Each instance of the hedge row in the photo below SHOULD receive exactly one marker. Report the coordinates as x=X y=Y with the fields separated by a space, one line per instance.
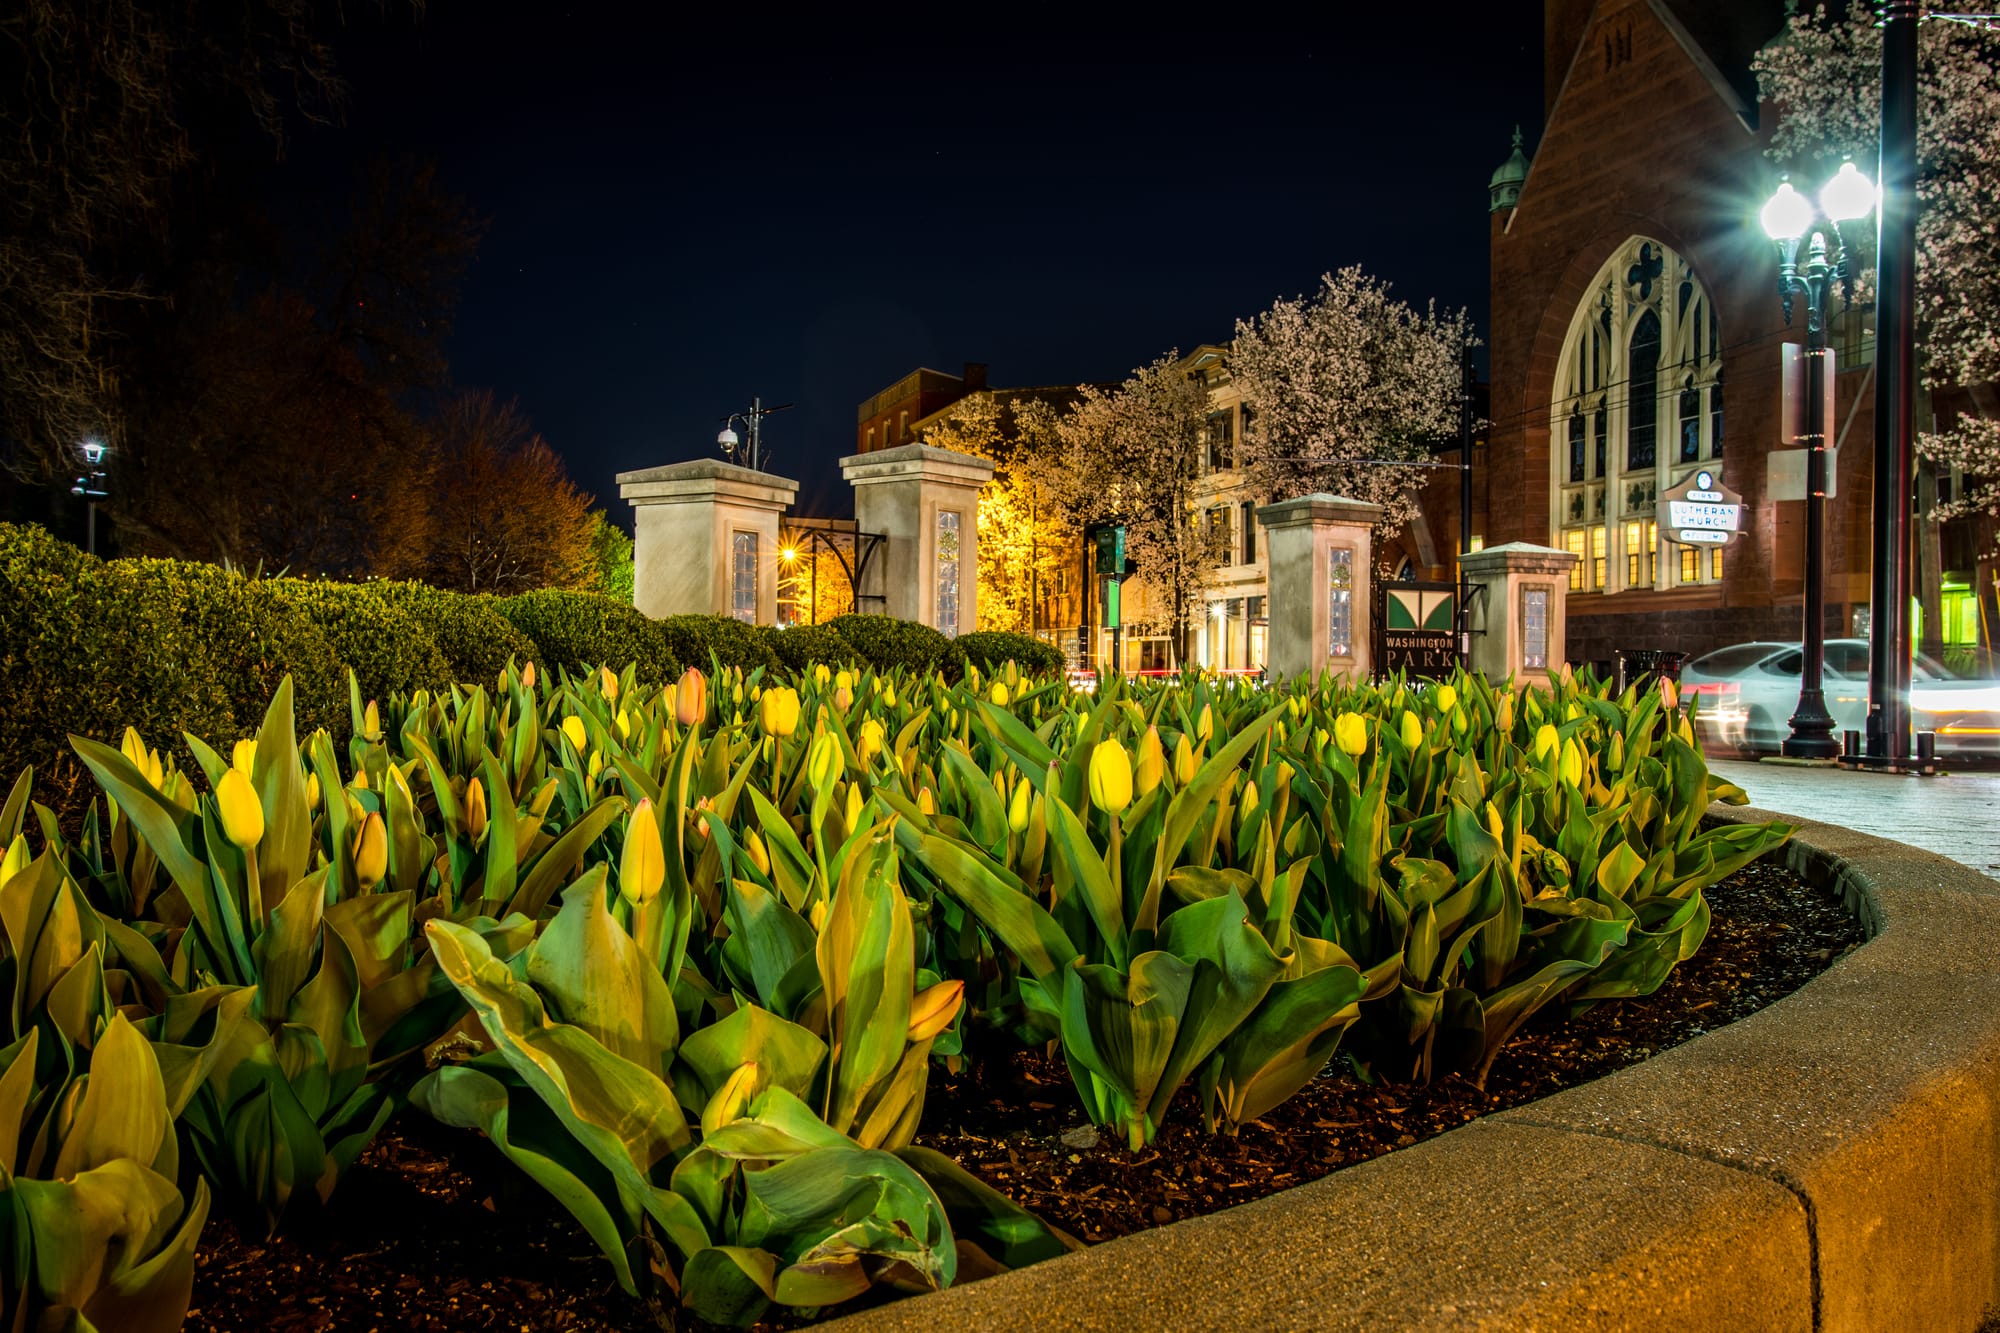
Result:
x=89 y=646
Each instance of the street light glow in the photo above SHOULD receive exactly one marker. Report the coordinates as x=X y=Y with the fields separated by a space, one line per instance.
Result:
x=1849 y=195
x=1787 y=215
x=789 y=554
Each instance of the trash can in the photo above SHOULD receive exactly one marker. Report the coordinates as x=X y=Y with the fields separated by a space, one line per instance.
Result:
x=1640 y=665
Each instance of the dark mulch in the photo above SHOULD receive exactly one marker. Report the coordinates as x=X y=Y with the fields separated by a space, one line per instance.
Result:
x=432 y=1230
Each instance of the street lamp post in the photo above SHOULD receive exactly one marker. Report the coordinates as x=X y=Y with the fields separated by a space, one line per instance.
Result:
x=91 y=487
x=1789 y=218
x=753 y=421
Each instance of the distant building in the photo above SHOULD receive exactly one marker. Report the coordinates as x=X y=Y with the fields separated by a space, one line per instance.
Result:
x=888 y=418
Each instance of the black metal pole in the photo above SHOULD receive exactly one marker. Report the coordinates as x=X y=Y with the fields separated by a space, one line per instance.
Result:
x=1464 y=508
x=90 y=525
x=1812 y=725
x=1895 y=383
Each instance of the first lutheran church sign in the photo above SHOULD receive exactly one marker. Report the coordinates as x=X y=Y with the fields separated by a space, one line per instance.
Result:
x=1701 y=511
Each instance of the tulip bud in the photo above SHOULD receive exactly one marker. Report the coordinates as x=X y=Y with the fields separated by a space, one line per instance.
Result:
x=1572 y=713
x=475 y=808
x=1350 y=732
x=844 y=680
x=853 y=815
x=999 y=694
x=819 y=673
x=1458 y=721
x=595 y=766
x=1546 y=741
x=1446 y=698
x=1670 y=693
x=371 y=723
x=371 y=851
x=736 y=693
x=236 y=802
x=642 y=866
x=1503 y=716
x=760 y=856
x=1204 y=726
x=16 y=859
x=1494 y=824
x=843 y=699
x=933 y=1008
x=1110 y=777
x=823 y=760
x=624 y=725
x=1152 y=765
x=1412 y=730
x=1184 y=768
x=528 y=676
x=607 y=683
x=889 y=696
x=817 y=915
x=778 y=712
x=1018 y=808
x=1617 y=751
x=572 y=727
x=870 y=741
x=312 y=791
x=731 y=1100
x=926 y=803
x=133 y=748
x=691 y=698
x=1572 y=762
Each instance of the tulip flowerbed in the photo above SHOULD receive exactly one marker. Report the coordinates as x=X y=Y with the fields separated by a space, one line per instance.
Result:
x=688 y=958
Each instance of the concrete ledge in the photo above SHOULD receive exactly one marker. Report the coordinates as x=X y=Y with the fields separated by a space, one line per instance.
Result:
x=1829 y=1162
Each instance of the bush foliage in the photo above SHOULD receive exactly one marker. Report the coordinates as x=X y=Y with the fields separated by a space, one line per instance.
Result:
x=991 y=648
x=888 y=644
x=575 y=629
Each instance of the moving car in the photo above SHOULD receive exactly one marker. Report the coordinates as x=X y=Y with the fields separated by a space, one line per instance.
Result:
x=1749 y=692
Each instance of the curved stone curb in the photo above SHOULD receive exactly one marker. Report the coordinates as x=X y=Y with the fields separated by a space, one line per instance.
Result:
x=1831 y=1161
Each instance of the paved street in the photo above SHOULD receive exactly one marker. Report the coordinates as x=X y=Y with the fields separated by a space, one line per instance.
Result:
x=1957 y=815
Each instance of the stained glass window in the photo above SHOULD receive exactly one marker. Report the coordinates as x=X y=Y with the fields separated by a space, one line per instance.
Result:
x=1690 y=422
x=1535 y=628
x=1715 y=416
x=1340 y=603
x=1576 y=445
x=1643 y=409
x=743 y=577
x=947 y=572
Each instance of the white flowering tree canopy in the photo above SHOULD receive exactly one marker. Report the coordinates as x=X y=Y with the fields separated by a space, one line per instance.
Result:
x=1349 y=389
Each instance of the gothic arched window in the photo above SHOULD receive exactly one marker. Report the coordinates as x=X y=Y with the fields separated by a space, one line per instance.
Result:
x=1638 y=403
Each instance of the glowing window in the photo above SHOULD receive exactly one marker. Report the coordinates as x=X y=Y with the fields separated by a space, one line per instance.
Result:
x=1340 y=603
x=947 y=572
x=743 y=577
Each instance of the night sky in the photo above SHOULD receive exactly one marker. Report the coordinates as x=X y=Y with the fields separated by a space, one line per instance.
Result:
x=685 y=212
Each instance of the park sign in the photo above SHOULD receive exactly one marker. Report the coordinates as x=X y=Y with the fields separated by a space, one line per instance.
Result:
x=1701 y=511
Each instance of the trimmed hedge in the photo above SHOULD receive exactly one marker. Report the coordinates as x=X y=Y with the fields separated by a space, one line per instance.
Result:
x=386 y=646
x=884 y=642
x=990 y=648
x=690 y=640
x=802 y=645
x=477 y=640
x=579 y=629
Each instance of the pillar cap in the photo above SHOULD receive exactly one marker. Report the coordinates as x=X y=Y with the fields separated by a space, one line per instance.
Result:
x=921 y=461
x=1523 y=557
x=1319 y=507
x=706 y=479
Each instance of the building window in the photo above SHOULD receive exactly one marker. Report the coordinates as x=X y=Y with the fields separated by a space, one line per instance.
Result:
x=1690 y=565
x=1340 y=603
x=1221 y=440
x=743 y=577
x=1250 y=533
x=1637 y=405
x=1641 y=540
x=1573 y=541
x=1715 y=565
x=1217 y=534
x=869 y=447
x=902 y=427
x=1535 y=628
x=947 y=573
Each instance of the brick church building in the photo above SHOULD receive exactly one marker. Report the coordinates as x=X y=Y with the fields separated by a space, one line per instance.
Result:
x=1637 y=337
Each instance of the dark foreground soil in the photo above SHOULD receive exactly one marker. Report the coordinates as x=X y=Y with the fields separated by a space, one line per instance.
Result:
x=433 y=1230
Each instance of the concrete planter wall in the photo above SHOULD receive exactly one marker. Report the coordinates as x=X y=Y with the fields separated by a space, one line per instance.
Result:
x=1827 y=1163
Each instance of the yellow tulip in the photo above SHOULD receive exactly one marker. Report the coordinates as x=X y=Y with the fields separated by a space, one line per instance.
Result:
x=1503 y=716
x=360 y=782
x=778 y=711
x=999 y=695
x=312 y=791
x=1572 y=762
x=1413 y=731
x=1546 y=741
x=572 y=727
x=1494 y=824
x=691 y=698
x=760 y=856
x=1152 y=766
x=242 y=756
x=475 y=808
x=844 y=680
x=926 y=803
x=822 y=760
x=1110 y=777
x=853 y=807
x=371 y=723
x=1017 y=809
x=1572 y=713
x=817 y=915
x=528 y=676
x=1617 y=751
x=1183 y=761
x=1350 y=732
x=371 y=851
x=731 y=1100
x=869 y=742
x=843 y=699
x=624 y=725
x=889 y=697
x=595 y=766
x=642 y=866
x=736 y=693
x=933 y=1008
x=1446 y=697
x=16 y=859
x=1670 y=693
x=236 y=802
x=133 y=748
x=1204 y=726
x=607 y=683
x=819 y=673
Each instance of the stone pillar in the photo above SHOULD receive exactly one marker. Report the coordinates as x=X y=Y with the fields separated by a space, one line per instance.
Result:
x=1520 y=598
x=925 y=502
x=1320 y=550
x=695 y=525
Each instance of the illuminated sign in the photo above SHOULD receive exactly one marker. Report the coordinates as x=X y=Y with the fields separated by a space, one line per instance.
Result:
x=1701 y=511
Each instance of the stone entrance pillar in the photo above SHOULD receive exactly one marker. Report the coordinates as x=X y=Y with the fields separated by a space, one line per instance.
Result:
x=705 y=539
x=925 y=502
x=1520 y=598
x=1320 y=549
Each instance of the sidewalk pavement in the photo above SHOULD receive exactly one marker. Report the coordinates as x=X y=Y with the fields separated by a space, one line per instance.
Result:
x=1956 y=815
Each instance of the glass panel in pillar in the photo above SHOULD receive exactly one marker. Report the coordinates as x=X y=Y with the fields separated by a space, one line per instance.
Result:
x=1535 y=628
x=947 y=572
x=1340 y=603
x=743 y=577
